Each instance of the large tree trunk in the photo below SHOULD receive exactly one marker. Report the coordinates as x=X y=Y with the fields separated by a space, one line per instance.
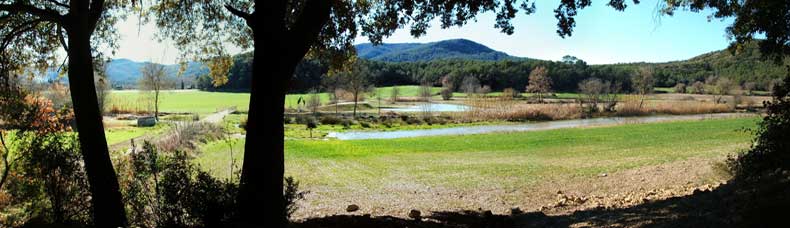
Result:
x=261 y=201
x=108 y=210
x=263 y=169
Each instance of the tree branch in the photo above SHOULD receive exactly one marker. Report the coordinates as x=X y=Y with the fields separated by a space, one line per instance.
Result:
x=44 y=14
x=17 y=31
x=247 y=16
x=96 y=10
x=304 y=33
x=57 y=3
x=62 y=38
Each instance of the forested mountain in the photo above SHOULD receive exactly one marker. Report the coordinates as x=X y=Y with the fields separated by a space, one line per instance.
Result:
x=413 y=52
x=457 y=59
x=126 y=73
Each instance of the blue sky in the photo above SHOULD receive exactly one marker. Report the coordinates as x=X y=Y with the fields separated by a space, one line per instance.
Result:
x=602 y=35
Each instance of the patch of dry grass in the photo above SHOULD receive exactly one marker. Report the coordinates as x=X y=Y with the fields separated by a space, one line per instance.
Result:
x=484 y=109
x=632 y=108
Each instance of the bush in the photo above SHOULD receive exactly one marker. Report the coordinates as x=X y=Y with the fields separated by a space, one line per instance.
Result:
x=347 y=123
x=331 y=120
x=292 y=194
x=414 y=121
x=364 y=124
x=168 y=191
x=680 y=88
x=189 y=135
x=302 y=119
x=49 y=182
x=509 y=93
x=770 y=149
x=288 y=120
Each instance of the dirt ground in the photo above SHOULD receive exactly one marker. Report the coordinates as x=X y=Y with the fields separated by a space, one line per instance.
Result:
x=553 y=197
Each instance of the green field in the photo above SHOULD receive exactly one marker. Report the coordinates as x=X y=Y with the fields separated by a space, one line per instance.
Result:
x=121 y=134
x=202 y=102
x=182 y=101
x=501 y=159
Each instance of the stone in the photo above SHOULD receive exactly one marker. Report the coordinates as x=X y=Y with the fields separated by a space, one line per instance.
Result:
x=352 y=208
x=415 y=214
x=148 y=121
x=603 y=175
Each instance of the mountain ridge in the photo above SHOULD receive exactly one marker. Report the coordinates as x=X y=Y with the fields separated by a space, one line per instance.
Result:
x=439 y=50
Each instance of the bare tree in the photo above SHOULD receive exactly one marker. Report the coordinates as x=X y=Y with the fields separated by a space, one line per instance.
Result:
x=425 y=92
x=470 y=85
x=721 y=88
x=539 y=82
x=592 y=90
x=154 y=80
x=698 y=87
x=394 y=94
x=356 y=82
x=642 y=82
x=749 y=87
x=313 y=101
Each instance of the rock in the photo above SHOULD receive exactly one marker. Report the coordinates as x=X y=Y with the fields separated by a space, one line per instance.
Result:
x=352 y=208
x=149 y=121
x=415 y=214
x=603 y=175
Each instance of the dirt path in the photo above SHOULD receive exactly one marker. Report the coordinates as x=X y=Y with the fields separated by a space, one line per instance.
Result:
x=216 y=117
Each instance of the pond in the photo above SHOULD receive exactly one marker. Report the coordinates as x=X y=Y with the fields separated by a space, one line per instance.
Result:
x=433 y=107
x=533 y=126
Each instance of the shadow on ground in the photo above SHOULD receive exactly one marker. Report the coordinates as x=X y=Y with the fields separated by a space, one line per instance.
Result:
x=729 y=205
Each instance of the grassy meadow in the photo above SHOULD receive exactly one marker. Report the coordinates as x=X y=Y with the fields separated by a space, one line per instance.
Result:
x=501 y=159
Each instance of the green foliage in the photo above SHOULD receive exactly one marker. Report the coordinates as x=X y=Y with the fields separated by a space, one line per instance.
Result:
x=49 y=180
x=168 y=191
x=770 y=149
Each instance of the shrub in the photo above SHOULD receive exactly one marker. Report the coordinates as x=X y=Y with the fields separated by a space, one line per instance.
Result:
x=243 y=124
x=331 y=120
x=509 y=93
x=288 y=120
x=49 y=182
x=698 y=87
x=292 y=194
x=347 y=123
x=302 y=119
x=168 y=191
x=364 y=124
x=414 y=121
x=187 y=136
x=680 y=88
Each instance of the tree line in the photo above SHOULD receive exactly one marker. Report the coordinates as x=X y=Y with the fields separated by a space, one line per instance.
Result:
x=746 y=68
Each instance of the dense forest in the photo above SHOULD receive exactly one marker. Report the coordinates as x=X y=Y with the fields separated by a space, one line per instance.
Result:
x=745 y=66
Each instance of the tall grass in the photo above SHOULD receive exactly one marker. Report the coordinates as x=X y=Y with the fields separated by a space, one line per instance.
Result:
x=486 y=108
x=631 y=108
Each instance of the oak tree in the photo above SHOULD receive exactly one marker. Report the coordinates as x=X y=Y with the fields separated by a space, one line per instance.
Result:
x=32 y=31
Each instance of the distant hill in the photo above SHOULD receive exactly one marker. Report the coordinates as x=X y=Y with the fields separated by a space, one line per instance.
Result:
x=126 y=72
x=414 y=52
x=744 y=66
